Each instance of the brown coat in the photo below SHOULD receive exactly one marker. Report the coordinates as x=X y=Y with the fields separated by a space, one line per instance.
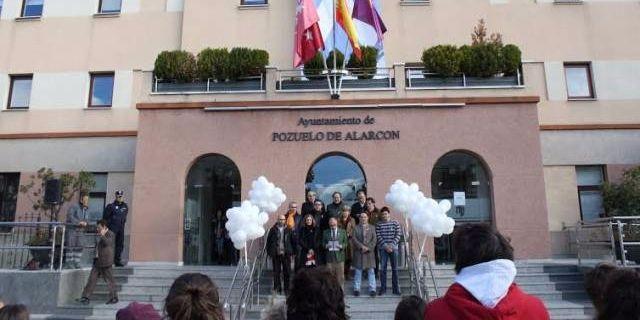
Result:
x=360 y=240
x=105 y=250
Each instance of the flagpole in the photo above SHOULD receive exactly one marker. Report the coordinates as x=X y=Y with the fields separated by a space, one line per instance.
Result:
x=334 y=93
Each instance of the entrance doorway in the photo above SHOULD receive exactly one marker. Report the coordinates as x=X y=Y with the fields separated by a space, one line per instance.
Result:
x=212 y=187
x=336 y=172
x=462 y=178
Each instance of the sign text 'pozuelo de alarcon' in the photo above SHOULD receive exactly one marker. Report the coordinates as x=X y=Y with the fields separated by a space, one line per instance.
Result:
x=352 y=135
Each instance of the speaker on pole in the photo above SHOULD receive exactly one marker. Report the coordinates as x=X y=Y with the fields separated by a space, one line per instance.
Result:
x=53 y=191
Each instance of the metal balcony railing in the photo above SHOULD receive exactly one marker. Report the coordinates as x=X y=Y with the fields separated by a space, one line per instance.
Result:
x=350 y=79
x=420 y=78
x=246 y=84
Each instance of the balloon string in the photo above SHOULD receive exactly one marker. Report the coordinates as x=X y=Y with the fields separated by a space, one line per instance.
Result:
x=246 y=259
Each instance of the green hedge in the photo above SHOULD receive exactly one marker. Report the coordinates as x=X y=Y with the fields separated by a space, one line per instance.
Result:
x=339 y=59
x=218 y=63
x=213 y=63
x=314 y=66
x=442 y=59
x=180 y=66
x=479 y=60
x=368 y=63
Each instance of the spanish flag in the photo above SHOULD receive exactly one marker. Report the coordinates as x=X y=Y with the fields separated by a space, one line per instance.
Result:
x=343 y=17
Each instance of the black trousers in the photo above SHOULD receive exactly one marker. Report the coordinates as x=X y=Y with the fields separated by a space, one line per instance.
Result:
x=281 y=270
x=119 y=245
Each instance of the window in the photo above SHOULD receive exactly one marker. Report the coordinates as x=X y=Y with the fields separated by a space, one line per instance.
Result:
x=9 y=183
x=109 y=6
x=101 y=91
x=590 y=179
x=579 y=81
x=19 y=92
x=98 y=197
x=336 y=172
x=252 y=2
x=1 y=3
x=32 y=8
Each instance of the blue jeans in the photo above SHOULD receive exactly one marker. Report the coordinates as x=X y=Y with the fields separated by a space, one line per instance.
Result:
x=357 y=279
x=392 y=257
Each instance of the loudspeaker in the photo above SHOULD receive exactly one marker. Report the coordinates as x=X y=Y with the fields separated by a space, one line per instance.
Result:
x=53 y=191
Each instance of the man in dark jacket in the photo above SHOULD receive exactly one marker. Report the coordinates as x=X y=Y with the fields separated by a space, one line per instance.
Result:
x=280 y=249
x=102 y=265
x=76 y=221
x=116 y=216
x=359 y=206
x=307 y=206
x=334 y=209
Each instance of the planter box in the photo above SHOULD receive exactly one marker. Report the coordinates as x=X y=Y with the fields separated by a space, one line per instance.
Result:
x=492 y=81
x=435 y=81
x=201 y=86
x=322 y=84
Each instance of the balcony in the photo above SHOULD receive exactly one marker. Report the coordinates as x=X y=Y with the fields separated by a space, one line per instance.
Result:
x=397 y=81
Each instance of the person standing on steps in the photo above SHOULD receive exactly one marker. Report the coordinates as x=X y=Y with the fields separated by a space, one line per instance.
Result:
x=364 y=243
x=307 y=206
x=334 y=241
x=280 y=249
x=116 y=216
x=359 y=206
x=76 y=221
x=102 y=265
x=388 y=234
x=334 y=209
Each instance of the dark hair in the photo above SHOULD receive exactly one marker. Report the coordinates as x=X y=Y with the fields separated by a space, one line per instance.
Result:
x=193 y=296
x=371 y=199
x=478 y=243
x=102 y=222
x=595 y=281
x=410 y=308
x=385 y=209
x=304 y=220
x=83 y=194
x=363 y=191
x=622 y=293
x=316 y=295
x=14 y=312
x=334 y=194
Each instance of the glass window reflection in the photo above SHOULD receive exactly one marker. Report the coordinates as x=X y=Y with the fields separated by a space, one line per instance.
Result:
x=32 y=8
x=101 y=90
x=110 y=6
x=336 y=173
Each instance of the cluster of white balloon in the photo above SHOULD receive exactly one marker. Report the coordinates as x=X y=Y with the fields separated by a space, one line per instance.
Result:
x=246 y=222
x=426 y=215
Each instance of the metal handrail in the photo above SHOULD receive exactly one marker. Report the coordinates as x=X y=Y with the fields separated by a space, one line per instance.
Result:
x=250 y=280
x=227 y=305
x=54 y=227
x=419 y=72
x=615 y=235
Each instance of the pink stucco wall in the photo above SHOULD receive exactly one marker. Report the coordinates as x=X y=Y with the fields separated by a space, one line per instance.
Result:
x=504 y=136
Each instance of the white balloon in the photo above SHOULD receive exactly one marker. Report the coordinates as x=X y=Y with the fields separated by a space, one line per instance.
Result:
x=265 y=195
x=244 y=223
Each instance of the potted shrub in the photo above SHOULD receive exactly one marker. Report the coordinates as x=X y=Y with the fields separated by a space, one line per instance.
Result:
x=511 y=59
x=176 y=66
x=259 y=61
x=314 y=66
x=339 y=59
x=623 y=199
x=213 y=63
x=368 y=63
x=442 y=66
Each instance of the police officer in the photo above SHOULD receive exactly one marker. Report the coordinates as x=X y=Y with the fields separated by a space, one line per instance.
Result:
x=116 y=216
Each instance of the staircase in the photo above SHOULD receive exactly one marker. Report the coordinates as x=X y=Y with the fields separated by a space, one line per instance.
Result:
x=145 y=284
x=559 y=286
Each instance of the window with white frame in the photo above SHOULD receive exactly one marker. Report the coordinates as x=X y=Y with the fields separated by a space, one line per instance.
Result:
x=590 y=179
x=19 y=91
x=32 y=8
x=579 y=80
x=109 y=6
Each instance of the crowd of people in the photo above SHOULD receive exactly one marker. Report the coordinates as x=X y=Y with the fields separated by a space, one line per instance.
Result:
x=318 y=241
x=341 y=237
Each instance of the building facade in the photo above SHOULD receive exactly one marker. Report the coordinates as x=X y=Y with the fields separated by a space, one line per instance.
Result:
x=77 y=92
